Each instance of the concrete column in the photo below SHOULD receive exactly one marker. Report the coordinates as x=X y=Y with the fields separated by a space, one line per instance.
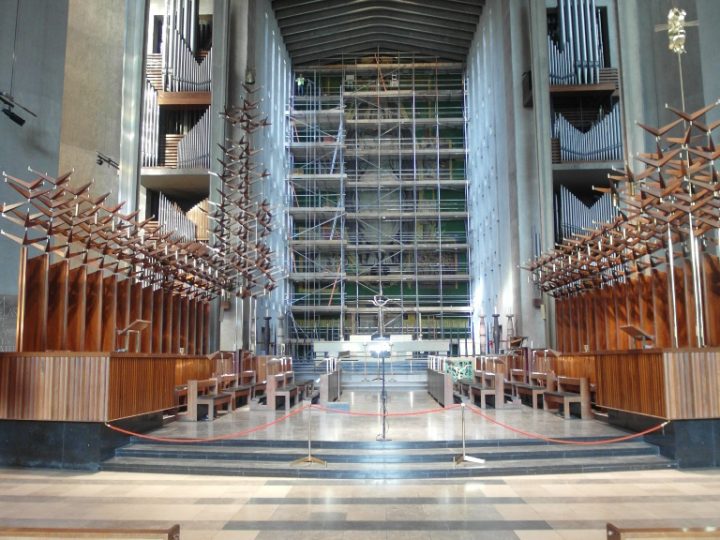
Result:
x=541 y=106
x=132 y=100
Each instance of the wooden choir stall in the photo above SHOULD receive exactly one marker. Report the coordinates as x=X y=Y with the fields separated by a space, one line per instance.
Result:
x=637 y=299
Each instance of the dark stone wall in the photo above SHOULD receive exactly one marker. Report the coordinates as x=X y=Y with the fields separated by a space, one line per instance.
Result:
x=693 y=443
x=65 y=445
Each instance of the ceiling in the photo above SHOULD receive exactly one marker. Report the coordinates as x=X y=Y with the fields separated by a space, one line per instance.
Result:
x=317 y=30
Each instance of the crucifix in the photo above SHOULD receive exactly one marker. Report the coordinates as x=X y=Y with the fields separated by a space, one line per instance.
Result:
x=676 y=25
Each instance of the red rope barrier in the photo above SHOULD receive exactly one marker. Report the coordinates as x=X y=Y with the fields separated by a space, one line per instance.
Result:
x=208 y=439
x=531 y=435
x=395 y=414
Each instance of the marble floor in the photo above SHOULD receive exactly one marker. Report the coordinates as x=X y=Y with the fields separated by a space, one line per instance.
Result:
x=439 y=424
x=209 y=507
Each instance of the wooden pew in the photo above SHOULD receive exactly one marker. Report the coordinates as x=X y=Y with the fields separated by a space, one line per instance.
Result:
x=626 y=533
x=489 y=383
x=230 y=384
x=172 y=533
x=570 y=390
x=537 y=387
x=205 y=392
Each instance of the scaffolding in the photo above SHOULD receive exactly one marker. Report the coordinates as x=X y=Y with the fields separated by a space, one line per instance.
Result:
x=377 y=152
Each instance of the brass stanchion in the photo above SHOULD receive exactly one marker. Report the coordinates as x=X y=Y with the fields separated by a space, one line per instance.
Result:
x=310 y=459
x=464 y=458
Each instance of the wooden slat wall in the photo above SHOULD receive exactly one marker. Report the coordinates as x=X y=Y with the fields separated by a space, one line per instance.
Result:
x=76 y=309
x=63 y=387
x=192 y=321
x=594 y=318
x=109 y=314
x=93 y=306
x=631 y=381
x=192 y=367
x=692 y=383
x=147 y=296
x=661 y=305
x=157 y=319
x=122 y=318
x=711 y=268
x=34 y=299
x=137 y=311
x=57 y=306
x=69 y=309
x=140 y=384
x=576 y=365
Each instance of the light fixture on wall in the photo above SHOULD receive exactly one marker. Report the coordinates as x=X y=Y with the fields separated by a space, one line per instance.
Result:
x=102 y=158
x=7 y=97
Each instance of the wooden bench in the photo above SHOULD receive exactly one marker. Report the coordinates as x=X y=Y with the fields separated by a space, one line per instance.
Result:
x=488 y=383
x=230 y=384
x=277 y=386
x=533 y=389
x=569 y=390
x=623 y=533
x=205 y=392
x=172 y=533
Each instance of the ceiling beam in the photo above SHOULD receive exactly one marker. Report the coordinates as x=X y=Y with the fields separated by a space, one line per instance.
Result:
x=322 y=28
x=371 y=47
x=374 y=37
x=391 y=31
x=337 y=8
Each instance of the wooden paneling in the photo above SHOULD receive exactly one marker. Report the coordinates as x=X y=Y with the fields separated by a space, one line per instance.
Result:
x=192 y=367
x=682 y=306
x=199 y=325
x=647 y=315
x=192 y=322
x=168 y=317
x=148 y=296
x=575 y=365
x=76 y=309
x=711 y=267
x=157 y=319
x=599 y=320
x=34 y=299
x=692 y=383
x=63 y=387
x=206 y=328
x=122 y=318
x=177 y=318
x=661 y=309
x=57 y=306
x=183 y=333
x=633 y=307
x=631 y=381
x=140 y=384
x=93 y=311
x=109 y=313
x=137 y=311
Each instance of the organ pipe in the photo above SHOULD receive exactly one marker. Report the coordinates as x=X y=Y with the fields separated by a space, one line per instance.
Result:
x=578 y=57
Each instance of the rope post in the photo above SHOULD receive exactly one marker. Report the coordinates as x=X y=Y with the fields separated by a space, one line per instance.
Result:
x=309 y=459
x=464 y=458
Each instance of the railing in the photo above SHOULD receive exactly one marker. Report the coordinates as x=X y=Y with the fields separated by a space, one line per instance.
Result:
x=387 y=145
x=388 y=204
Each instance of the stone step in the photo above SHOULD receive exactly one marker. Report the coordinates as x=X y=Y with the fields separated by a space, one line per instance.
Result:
x=445 y=469
x=376 y=455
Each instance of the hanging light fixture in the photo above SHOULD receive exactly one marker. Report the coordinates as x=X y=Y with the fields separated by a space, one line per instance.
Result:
x=7 y=98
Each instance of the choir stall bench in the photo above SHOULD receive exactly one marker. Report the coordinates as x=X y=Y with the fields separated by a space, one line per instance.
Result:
x=207 y=393
x=570 y=390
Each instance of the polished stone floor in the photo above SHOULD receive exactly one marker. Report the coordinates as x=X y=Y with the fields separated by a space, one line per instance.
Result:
x=438 y=424
x=223 y=508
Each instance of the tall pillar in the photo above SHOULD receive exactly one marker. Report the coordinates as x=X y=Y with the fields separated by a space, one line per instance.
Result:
x=136 y=12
